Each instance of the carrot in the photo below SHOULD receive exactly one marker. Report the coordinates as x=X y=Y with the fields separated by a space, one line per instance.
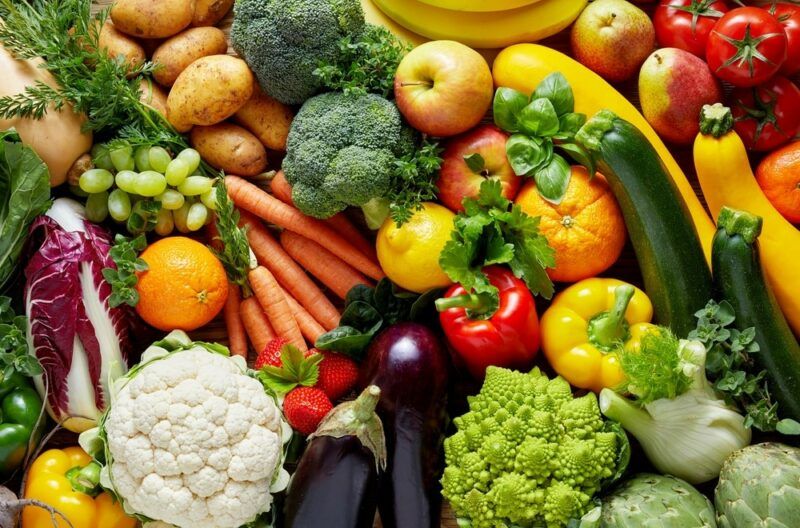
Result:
x=264 y=205
x=339 y=222
x=321 y=263
x=309 y=326
x=272 y=300
x=271 y=254
x=233 y=321
x=256 y=323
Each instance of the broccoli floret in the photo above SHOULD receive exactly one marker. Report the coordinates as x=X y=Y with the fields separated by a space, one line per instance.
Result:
x=284 y=41
x=342 y=151
x=527 y=453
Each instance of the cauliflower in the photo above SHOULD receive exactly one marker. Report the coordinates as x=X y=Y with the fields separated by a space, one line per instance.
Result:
x=190 y=439
x=529 y=454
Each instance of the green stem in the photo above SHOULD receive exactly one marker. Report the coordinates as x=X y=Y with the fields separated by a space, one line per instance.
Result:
x=85 y=479
x=633 y=418
x=367 y=401
x=608 y=328
x=742 y=223
x=476 y=303
x=715 y=120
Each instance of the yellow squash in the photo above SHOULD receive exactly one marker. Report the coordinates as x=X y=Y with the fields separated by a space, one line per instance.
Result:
x=493 y=29
x=726 y=178
x=479 y=5
x=523 y=67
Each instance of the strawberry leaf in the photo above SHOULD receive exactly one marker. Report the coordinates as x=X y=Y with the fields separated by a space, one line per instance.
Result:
x=296 y=369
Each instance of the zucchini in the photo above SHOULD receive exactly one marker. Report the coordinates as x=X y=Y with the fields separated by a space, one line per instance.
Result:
x=739 y=279
x=676 y=276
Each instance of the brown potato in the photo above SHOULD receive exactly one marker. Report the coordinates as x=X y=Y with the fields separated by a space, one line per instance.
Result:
x=152 y=18
x=175 y=54
x=209 y=12
x=118 y=43
x=209 y=90
x=230 y=148
x=153 y=95
x=267 y=118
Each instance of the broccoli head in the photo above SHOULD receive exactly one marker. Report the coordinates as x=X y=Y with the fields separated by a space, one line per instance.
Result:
x=527 y=453
x=284 y=41
x=342 y=150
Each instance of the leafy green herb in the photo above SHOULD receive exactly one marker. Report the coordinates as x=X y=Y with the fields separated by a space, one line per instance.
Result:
x=295 y=369
x=366 y=64
x=123 y=278
x=731 y=367
x=235 y=253
x=655 y=371
x=415 y=180
x=492 y=230
x=540 y=124
x=14 y=356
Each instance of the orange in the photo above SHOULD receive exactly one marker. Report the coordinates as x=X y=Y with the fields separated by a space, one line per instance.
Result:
x=184 y=287
x=779 y=177
x=586 y=229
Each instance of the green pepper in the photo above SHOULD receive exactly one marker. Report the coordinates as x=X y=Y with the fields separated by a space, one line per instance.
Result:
x=20 y=407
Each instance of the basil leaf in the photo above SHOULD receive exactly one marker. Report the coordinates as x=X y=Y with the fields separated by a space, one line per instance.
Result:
x=552 y=180
x=507 y=105
x=475 y=162
x=580 y=155
x=539 y=118
x=570 y=123
x=524 y=154
x=557 y=90
x=788 y=426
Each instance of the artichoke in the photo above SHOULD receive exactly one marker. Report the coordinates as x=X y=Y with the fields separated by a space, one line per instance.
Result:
x=760 y=486
x=654 y=501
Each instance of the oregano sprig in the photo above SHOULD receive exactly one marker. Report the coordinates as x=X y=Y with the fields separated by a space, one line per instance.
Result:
x=123 y=278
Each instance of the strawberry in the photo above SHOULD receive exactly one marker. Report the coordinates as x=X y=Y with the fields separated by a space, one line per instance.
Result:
x=271 y=355
x=337 y=374
x=305 y=407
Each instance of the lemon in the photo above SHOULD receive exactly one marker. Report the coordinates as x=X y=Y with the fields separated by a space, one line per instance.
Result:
x=409 y=254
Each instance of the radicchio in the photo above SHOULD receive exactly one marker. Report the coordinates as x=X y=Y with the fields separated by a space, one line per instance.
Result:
x=79 y=339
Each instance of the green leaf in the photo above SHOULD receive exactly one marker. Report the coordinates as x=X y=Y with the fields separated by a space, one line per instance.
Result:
x=539 y=118
x=557 y=90
x=506 y=107
x=788 y=426
x=475 y=162
x=552 y=181
x=295 y=369
x=123 y=278
x=582 y=156
x=525 y=154
x=570 y=123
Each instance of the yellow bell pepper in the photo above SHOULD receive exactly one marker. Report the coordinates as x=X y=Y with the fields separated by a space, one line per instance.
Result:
x=583 y=327
x=49 y=482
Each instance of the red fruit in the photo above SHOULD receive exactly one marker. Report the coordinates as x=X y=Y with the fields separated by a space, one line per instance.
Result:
x=789 y=16
x=337 y=375
x=271 y=355
x=768 y=115
x=305 y=407
x=686 y=24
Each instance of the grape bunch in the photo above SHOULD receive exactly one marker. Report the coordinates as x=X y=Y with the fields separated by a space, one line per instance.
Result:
x=147 y=189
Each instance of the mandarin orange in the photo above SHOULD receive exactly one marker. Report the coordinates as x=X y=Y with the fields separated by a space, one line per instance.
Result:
x=778 y=174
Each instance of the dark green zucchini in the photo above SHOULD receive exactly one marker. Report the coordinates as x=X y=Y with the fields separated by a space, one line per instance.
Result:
x=675 y=272
x=739 y=279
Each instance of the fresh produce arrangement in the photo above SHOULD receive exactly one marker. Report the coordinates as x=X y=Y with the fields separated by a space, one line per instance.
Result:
x=399 y=263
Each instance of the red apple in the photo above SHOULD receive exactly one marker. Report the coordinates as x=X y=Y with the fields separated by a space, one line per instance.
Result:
x=443 y=88
x=468 y=160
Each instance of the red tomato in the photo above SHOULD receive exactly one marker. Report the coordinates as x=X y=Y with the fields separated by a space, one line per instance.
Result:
x=685 y=24
x=789 y=16
x=746 y=47
x=768 y=115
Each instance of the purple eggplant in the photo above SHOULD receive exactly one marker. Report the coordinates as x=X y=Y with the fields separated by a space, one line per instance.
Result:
x=336 y=481
x=409 y=364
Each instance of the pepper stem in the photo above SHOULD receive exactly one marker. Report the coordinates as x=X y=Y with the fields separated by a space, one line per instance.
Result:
x=85 y=479
x=475 y=302
x=610 y=327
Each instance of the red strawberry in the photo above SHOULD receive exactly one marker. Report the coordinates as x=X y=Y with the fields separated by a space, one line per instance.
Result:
x=337 y=374
x=271 y=355
x=305 y=407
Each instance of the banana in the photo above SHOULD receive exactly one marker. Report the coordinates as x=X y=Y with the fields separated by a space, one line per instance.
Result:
x=479 y=5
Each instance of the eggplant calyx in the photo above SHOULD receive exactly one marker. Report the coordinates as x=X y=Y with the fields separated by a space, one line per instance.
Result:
x=358 y=418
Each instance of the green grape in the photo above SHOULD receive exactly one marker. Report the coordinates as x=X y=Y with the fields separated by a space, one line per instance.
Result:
x=176 y=172
x=195 y=185
x=119 y=205
x=196 y=217
x=150 y=183
x=171 y=199
x=101 y=158
x=191 y=157
x=97 y=207
x=126 y=180
x=164 y=223
x=122 y=158
x=179 y=216
x=209 y=199
x=159 y=159
x=77 y=191
x=142 y=158
x=96 y=180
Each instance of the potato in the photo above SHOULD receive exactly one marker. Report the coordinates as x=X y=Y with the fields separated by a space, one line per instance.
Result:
x=153 y=95
x=175 y=54
x=267 y=118
x=209 y=12
x=152 y=18
x=209 y=90
x=230 y=148
x=117 y=43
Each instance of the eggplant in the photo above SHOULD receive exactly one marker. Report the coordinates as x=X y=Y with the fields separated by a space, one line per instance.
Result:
x=335 y=484
x=410 y=365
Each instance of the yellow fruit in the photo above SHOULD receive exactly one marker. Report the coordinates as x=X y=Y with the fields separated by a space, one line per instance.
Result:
x=409 y=254
x=375 y=16
x=493 y=29
x=479 y=5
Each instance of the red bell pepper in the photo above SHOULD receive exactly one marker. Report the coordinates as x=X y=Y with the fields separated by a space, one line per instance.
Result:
x=507 y=338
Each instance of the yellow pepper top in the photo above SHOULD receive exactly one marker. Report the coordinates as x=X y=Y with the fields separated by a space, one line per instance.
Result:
x=48 y=482
x=586 y=323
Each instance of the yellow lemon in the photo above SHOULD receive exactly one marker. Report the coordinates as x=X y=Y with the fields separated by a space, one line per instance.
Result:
x=409 y=254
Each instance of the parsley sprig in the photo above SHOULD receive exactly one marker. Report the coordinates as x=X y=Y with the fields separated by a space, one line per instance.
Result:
x=415 y=180
x=123 y=278
x=14 y=356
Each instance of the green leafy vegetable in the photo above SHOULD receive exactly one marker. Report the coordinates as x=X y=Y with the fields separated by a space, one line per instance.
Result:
x=235 y=253
x=24 y=195
x=655 y=371
x=123 y=279
x=414 y=180
x=14 y=356
x=492 y=230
